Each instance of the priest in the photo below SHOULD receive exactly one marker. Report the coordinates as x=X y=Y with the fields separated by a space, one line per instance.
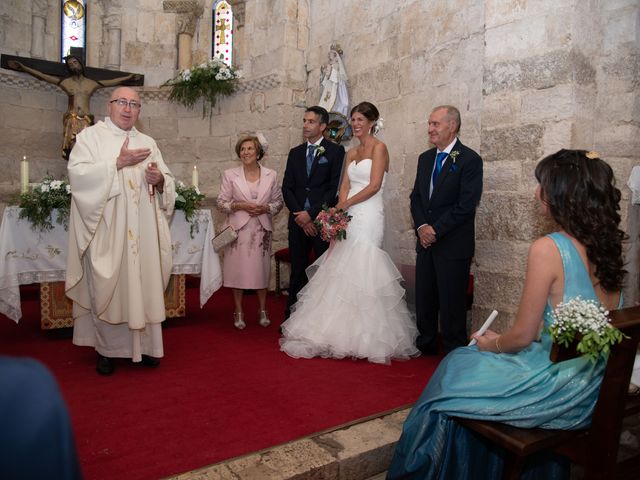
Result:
x=119 y=257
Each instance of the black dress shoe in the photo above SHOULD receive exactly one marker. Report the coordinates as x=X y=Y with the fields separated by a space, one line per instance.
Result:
x=104 y=365
x=148 y=361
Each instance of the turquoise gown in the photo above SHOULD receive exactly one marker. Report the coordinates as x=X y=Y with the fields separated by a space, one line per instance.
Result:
x=523 y=389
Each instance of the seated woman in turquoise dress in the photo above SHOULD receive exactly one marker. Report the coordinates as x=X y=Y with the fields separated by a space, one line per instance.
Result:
x=509 y=377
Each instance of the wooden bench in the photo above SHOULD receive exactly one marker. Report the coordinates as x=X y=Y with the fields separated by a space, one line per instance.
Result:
x=595 y=448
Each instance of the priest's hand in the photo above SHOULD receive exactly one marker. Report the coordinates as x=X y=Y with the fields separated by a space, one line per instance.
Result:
x=128 y=158
x=154 y=177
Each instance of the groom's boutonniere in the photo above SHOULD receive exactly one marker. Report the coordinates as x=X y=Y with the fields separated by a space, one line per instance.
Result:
x=320 y=151
x=453 y=156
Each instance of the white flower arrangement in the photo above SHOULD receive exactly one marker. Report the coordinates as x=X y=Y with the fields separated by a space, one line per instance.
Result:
x=38 y=205
x=209 y=80
x=320 y=151
x=189 y=199
x=587 y=323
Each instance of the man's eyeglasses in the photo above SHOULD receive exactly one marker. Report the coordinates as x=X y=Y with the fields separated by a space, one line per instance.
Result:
x=123 y=102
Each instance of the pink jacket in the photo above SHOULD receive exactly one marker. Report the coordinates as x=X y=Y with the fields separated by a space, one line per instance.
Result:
x=234 y=188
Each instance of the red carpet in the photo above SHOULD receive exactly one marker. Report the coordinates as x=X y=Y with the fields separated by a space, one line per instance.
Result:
x=218 y=393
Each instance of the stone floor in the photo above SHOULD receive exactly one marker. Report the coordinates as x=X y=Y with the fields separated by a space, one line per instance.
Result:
x=357 y=451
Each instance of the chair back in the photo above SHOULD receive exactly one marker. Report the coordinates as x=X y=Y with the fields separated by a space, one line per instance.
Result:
x=606 y=422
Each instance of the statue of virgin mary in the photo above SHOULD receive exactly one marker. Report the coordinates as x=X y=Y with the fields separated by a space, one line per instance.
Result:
x=333 y=83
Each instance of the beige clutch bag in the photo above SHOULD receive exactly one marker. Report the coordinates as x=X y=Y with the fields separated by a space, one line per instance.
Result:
x=224 y=238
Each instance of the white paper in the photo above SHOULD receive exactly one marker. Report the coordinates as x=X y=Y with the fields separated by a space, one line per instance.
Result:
x=487 y=323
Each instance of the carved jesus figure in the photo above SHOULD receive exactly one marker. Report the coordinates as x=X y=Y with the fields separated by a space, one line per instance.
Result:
x=79 y=88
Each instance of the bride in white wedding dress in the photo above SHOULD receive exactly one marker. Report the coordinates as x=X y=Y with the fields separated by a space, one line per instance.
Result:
x=353 y=305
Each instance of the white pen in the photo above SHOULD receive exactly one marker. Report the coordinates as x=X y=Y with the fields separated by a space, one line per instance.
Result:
x=487 y=323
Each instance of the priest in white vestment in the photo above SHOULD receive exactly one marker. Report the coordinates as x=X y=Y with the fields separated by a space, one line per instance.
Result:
x=119 y=256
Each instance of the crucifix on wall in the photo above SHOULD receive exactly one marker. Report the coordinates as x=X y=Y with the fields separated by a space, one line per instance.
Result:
x=78 y=82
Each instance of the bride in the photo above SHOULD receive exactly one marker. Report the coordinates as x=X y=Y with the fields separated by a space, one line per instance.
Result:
x=353 y=305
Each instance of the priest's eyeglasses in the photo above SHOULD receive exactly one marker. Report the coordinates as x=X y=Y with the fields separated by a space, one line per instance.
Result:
x=123 y=102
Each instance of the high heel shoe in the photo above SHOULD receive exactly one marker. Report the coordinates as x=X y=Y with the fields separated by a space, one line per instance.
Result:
x=264 y=318
x=238 y=320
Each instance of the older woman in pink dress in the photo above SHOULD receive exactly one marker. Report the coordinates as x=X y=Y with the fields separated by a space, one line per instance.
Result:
x=250 y=196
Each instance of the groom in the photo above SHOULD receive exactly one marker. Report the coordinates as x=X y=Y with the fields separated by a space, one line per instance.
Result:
x=443 y=206
x=310 y=181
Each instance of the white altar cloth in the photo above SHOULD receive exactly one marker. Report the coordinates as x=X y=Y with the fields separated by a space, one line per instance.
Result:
x=32 y=256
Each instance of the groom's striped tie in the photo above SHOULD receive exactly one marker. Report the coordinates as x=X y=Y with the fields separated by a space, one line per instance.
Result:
x=310 y=151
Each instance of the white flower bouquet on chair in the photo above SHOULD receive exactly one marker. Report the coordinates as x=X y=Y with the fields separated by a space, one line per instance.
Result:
x=582 y=325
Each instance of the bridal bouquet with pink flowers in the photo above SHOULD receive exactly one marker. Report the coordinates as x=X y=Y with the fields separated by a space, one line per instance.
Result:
x=332 y=223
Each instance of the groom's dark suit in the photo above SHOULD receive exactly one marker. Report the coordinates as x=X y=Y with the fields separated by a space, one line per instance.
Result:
x=442 y=269
x=319 y=187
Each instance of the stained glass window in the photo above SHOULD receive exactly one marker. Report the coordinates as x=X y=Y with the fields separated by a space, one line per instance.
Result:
x=222 y=31
x=74 y=25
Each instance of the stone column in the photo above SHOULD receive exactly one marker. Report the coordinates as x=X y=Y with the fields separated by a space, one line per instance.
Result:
x=189 y=11
x=113 y=26
x=38 y=26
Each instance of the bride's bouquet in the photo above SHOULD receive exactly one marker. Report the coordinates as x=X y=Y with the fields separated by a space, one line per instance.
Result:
x=332 y=223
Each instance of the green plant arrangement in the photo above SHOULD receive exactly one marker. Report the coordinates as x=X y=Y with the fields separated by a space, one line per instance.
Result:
x=38 y=204
x=188 y=199
x=208 y=81
x=585 y=323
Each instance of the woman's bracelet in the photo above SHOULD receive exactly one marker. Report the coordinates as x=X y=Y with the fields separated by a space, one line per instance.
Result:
x=498 y=344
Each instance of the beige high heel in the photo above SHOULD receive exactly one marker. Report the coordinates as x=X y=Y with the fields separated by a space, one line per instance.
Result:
x=238 y=320
x=264 y=318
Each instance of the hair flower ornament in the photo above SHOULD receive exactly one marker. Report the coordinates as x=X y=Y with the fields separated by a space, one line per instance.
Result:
x=379 y=125
x=263 y=141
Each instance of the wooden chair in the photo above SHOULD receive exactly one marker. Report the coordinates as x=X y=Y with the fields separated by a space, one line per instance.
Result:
x=595 y=448
x=282 y=256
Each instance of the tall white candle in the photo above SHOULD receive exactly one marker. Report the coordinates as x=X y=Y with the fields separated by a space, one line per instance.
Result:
x=24 y=175
x=194 y=176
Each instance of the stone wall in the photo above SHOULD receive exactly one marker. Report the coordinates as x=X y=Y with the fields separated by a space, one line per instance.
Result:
x=528 y=76
x=555 y=74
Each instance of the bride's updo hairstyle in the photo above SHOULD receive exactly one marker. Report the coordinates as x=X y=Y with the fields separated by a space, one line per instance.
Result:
x=369 y=111
x=580 y=192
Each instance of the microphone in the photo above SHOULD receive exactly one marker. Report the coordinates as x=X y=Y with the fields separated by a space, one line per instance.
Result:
x=151 y=188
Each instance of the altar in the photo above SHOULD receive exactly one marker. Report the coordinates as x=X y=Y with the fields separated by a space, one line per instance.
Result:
x=33 y=256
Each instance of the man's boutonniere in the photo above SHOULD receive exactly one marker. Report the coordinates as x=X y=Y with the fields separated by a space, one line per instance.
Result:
x=320 y=151
x=453 y=156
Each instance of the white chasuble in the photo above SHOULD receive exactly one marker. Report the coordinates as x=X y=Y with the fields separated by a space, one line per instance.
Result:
x=119 y=257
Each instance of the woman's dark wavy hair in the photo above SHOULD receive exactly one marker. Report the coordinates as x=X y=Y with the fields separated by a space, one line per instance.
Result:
x=582 y=198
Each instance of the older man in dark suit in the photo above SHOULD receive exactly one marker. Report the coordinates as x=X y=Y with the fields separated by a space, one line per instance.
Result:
x=310 y=181
x=444 y=199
